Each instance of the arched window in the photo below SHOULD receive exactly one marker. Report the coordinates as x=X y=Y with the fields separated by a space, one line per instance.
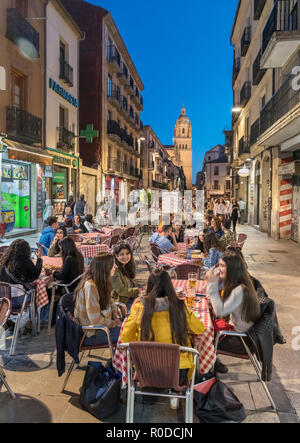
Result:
x=183 y=130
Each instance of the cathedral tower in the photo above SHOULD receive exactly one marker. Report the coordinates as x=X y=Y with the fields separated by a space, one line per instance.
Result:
x=183 y=146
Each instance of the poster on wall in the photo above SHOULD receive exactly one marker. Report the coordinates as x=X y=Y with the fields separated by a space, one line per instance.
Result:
x=16 y=192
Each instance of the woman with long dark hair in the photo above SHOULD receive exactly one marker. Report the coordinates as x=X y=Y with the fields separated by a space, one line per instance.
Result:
x=239 y=300
x=73 y=263
x=17 y=268
x=123 y=284
x=60 y=233
x=160 y=316
x=94 y=305
x=213 y=250
x=234 y=213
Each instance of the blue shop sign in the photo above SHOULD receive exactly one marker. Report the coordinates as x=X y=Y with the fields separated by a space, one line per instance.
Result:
x=63 y=93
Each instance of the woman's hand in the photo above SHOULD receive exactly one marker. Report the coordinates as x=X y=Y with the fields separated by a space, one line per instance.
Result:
x=211 y=275
x=38 y=254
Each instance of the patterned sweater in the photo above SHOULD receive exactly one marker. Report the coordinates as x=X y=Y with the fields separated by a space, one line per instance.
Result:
x=88 y=312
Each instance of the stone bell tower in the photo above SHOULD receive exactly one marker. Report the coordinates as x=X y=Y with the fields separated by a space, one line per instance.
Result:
x=183 y=146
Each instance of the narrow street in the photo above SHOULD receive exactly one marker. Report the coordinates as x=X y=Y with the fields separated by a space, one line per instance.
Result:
x=32 y=371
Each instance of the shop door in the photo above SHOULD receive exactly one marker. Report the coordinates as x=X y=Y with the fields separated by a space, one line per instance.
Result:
x=296 y=209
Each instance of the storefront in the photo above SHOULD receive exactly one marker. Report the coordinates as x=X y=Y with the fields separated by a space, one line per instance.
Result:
x=64 y=179
x=22 y=186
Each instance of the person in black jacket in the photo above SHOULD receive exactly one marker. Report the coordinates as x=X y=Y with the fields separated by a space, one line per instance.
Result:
x=17 y=268
x=73 y=263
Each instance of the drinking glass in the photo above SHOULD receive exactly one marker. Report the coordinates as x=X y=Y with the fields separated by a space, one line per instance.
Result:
x=192 y=289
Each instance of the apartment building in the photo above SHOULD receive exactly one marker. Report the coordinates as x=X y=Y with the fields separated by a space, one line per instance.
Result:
x=110 y=101
x=23 y=156
x=266 y=114
x=63 y=37
x=160 y=172
x=216 y=173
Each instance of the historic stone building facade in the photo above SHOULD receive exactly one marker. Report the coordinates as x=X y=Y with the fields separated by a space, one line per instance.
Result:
x=181 y=151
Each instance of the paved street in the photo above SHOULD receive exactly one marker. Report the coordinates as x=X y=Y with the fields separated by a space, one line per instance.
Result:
x=32 y=371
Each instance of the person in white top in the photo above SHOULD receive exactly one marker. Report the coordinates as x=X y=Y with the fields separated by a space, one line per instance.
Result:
x=221 y=208
x=239 y=300
x=242 y=206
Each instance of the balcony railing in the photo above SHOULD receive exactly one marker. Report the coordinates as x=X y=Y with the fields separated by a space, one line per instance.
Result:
x=258 y=8
x=114 y=94
x=113 y=56
x=254 y=132
x=65 y=138
x=246 y=40
x=159 y=185
x=113 y=128
x=285 y=99
x=284 y=17
x=65 y=72
x=257 y=73
x=244 y=147
x=245 y=94
x=22 y=126
x=236 y=69
x=17 y=28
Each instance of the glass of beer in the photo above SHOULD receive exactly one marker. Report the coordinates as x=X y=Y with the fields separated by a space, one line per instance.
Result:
x=192 y=289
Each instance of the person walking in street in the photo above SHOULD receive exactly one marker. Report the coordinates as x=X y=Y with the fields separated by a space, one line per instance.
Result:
x=122 y=212
x=242 y=206
x=210 y=207
x=48 y=212
x=234 y=213
x=81 y=207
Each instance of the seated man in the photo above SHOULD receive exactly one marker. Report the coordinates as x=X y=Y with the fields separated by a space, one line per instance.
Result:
x=48 y=233
x=162 y=241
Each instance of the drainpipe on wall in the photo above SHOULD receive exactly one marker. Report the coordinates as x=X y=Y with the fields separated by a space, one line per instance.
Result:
x=270 y=193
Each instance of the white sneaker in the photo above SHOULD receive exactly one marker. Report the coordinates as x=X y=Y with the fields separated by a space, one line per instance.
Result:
x=174 y=403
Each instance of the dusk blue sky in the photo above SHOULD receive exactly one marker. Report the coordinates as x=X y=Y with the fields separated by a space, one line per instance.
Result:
x=182 y=51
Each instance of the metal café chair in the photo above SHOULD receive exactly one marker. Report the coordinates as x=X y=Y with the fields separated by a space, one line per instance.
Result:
x=184 y=270
x=5 y=309
x=6 y=291
x=83 y=348
x=56 y=285
x=156 y=365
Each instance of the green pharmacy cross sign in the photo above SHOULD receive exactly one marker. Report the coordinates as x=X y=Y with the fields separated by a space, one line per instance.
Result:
x=89 y=133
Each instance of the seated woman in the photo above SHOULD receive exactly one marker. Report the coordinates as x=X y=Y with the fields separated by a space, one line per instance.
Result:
x=123 y=284
x=178 y=232
x=78 y=226
x=229 y=236
x=239 y=300
x=17 y=268
x=60 y=233
x=90 y=224
x=216 y=227
x=160 y=316
x=94 y=305
x=73 y=263
x=213 y=250
x=199 y=242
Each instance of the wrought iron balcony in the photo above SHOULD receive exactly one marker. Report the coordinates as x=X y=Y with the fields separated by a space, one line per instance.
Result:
x=159 y=185
x=18 y=28
x=113 y=128
x=257 y=73
x=244 y=147
x=236 y=69
x=254 y=133
x=281 y=35
x=113 y=58
x=22 y=126
x=283 y=101
x=246 y=40
x=65 y=138
x=258 y=8
x=123 y=74
x=114 y=94
x=245 y=94
x=65 y=71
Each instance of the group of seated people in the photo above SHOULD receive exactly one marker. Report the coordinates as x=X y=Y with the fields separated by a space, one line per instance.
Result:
x=56 y=231
x=157 y=314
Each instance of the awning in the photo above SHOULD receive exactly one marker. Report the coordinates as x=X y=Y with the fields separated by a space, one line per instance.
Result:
x=31 y=154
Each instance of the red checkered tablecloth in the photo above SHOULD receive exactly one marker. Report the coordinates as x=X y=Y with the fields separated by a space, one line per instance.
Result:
x=94 y=235
x=172 y=260
x=204 y=343
x=42 y=298
x=89 y=251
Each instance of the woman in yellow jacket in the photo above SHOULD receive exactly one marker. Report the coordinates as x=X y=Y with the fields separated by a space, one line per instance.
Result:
x=160 y=316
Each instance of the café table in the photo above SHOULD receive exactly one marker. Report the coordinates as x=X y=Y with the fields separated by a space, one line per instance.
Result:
x=204 y=343
x=172 y=259
x=89 y=251
x=94 y=236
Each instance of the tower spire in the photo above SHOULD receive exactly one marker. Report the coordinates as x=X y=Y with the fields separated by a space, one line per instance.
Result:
x=183 y=109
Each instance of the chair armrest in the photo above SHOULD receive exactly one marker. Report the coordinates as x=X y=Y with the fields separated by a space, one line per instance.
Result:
x=233 y=333
x=123 y=346
x=186 y=349
x=94 y=328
